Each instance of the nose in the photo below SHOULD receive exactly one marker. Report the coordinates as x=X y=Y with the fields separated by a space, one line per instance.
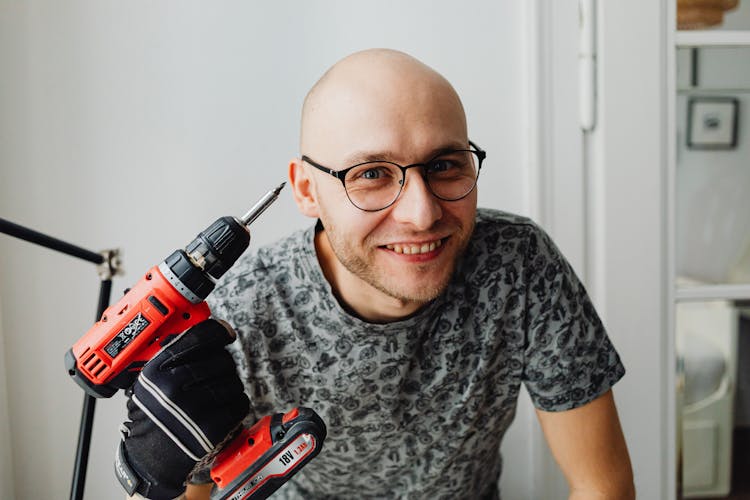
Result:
x=416 y=205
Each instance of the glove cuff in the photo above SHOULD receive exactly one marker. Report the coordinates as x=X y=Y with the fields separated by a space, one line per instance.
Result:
x=135 y=484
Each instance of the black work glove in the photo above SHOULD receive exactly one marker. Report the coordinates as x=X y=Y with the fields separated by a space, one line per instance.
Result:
x=184 y=402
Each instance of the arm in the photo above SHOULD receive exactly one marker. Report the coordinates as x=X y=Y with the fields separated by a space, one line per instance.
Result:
x=198 y=491
x=588 y=445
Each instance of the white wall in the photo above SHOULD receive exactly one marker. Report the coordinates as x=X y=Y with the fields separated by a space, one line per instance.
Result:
x=6 y=464
x=135 y=124
x=737 y=18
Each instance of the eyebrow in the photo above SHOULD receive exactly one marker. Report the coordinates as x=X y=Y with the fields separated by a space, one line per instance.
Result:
x=365 y=156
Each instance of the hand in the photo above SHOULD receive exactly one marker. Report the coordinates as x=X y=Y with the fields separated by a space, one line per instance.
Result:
x=184 y=402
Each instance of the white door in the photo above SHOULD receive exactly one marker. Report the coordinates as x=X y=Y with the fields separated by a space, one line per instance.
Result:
x=608 y=209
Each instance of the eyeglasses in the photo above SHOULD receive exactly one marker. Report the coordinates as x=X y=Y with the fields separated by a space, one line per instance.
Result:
x=376 y=185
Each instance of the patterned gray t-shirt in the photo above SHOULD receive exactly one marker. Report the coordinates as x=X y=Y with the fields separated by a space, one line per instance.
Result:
x=417 y=408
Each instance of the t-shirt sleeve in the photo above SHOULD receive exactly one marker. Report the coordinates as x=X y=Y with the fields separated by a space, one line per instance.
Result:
x=569 y=359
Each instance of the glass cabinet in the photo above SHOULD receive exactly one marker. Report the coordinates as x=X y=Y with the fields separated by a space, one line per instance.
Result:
x=710 y=212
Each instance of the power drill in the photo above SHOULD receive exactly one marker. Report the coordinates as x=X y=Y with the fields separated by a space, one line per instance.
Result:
x=167 y=301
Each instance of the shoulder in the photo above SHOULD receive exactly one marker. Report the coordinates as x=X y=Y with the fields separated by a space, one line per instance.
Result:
x=506 y=252
x=283 y=253
x=505 y=234
x=262 y=269
x=493 y=217
x=505 y=224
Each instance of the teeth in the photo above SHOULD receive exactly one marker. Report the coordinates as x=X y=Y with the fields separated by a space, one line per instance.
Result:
x=415 y=249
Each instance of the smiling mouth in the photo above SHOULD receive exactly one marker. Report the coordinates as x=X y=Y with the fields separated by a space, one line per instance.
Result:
x=415 y=249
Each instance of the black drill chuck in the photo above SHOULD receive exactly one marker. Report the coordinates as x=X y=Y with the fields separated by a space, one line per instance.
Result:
x=217 y=248
x=194 y=271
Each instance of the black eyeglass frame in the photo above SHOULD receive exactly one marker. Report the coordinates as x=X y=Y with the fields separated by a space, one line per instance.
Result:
x=341 y=174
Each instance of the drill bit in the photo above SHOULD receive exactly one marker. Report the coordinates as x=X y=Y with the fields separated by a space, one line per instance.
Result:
x=262 y=205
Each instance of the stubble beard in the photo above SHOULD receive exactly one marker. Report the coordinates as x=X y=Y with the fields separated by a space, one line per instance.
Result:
x=368 y=272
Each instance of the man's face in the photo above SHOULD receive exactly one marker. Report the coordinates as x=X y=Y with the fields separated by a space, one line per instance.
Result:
x=409 y=250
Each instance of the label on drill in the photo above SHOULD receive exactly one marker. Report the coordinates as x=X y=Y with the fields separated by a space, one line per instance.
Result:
x=126 y=335
x=280 y=465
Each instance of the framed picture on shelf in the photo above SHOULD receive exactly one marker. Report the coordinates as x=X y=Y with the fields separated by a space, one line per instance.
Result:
x=712 y=122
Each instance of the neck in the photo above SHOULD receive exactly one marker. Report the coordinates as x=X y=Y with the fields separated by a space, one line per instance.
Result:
x=358 y=296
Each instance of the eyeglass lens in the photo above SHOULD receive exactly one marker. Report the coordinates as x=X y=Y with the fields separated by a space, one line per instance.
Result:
x=375 y=185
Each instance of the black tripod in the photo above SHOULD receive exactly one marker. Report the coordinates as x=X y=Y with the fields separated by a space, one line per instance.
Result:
x=108 y=265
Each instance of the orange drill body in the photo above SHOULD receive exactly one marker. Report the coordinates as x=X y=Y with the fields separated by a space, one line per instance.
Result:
x=132 y=331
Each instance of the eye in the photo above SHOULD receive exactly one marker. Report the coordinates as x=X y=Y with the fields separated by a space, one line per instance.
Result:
x=440 y=165
x=372 y=172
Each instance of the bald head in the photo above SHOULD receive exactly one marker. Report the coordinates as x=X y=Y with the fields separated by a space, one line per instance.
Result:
x=380 y=94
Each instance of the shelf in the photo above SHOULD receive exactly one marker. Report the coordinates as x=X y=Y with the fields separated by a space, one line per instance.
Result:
x=708 y=90
x=701 y=293
x=712 y=38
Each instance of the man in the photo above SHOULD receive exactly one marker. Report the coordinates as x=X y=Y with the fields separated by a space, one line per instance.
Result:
x=407 y=318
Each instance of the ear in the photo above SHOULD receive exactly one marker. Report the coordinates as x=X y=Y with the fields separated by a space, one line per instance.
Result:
x=303 y=188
